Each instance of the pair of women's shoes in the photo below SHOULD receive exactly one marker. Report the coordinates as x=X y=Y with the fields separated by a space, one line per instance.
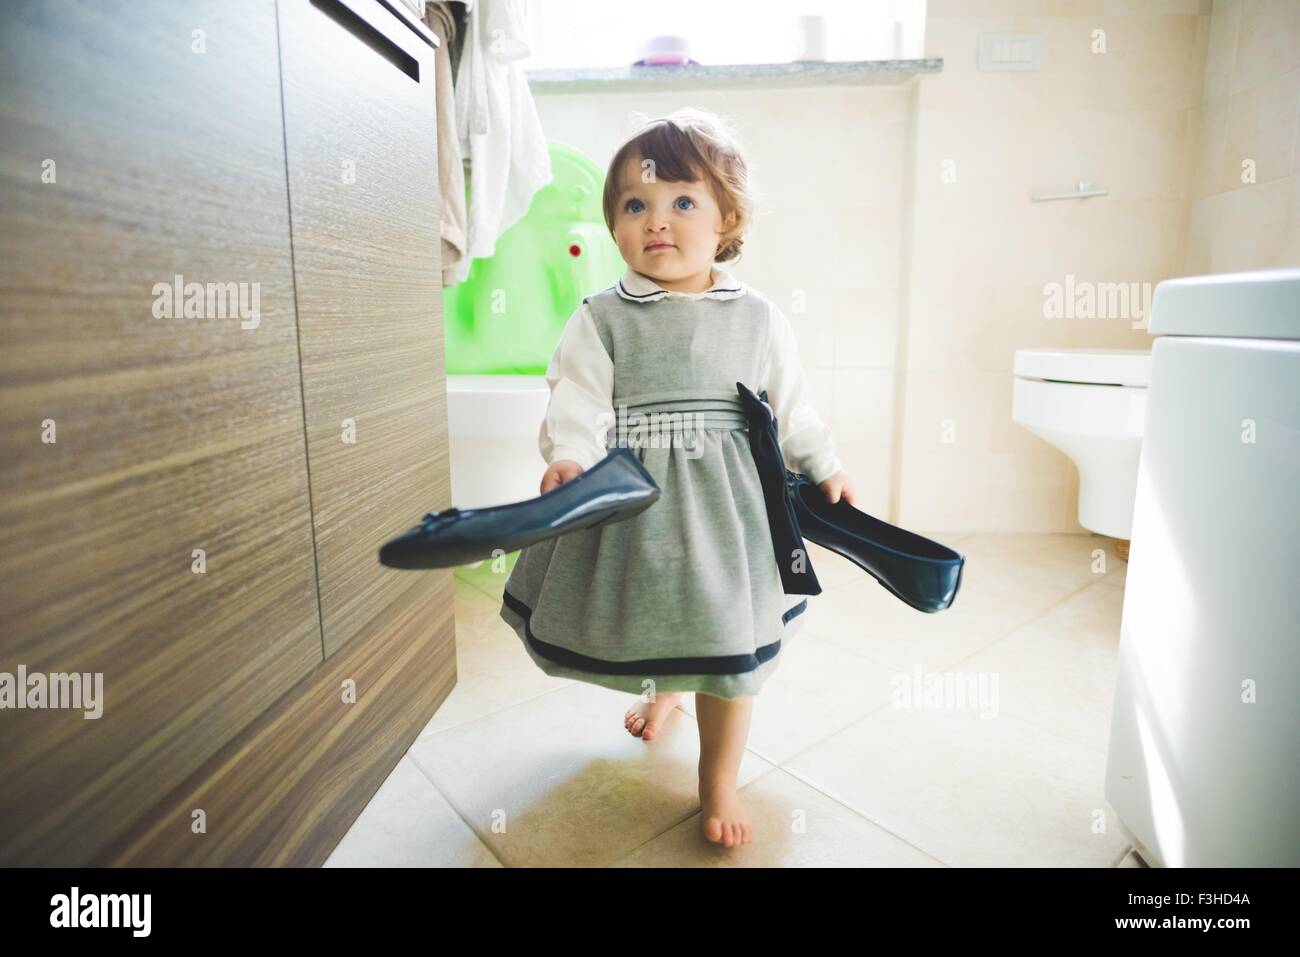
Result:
x=916 y=570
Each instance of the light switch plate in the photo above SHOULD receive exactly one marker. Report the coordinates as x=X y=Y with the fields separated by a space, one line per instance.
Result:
x=1010 y=51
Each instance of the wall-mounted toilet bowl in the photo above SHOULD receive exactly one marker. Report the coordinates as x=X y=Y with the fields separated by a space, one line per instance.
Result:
x=1090 y=404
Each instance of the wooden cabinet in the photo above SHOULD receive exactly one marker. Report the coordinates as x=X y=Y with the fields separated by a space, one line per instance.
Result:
x=179 y=511
x=360 y=121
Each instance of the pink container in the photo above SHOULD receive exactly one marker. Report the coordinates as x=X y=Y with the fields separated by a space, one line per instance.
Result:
x=665 y=50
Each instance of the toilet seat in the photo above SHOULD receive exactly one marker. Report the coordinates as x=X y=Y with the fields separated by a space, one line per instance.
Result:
x=1123 y=367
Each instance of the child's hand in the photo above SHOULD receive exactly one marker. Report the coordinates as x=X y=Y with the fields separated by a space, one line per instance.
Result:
x=838 y=485
x=561 y=471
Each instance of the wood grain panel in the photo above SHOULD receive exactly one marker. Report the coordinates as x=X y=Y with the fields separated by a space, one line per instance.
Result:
x=361 y=140
x=286 y=790
x=173 y=434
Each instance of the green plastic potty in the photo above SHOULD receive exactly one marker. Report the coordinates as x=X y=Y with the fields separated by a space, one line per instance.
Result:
x=507 y=316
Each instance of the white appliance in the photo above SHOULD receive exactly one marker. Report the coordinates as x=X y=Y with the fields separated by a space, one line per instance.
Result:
x=1090 y=404
x=1203 y=763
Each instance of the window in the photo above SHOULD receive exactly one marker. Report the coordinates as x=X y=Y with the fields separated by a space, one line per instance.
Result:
x=612 y=33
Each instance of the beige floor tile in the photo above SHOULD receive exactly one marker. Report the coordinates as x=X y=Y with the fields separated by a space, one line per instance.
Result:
x=477 y=614
x=488 y=576
x=1007 y=581
x=558 y=781
x=864 y=619
x=1058 y=672
x=409 y=824
x=818 y=689
x=1059 y=560
x=1118 y=574
x=493 y=671
x=577 y=789
x=794 y=826
x=968 y=790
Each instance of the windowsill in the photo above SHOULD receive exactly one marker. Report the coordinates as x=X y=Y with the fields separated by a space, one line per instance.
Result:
x=731 y=76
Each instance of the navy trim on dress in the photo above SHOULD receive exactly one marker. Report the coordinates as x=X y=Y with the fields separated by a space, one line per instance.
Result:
x=659 y=292
x=706 y=665
x=645 y=295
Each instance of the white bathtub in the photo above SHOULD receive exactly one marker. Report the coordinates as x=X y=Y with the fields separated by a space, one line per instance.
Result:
x=492 y=423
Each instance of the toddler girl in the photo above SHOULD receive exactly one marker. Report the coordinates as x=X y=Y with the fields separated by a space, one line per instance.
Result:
x=686 y=595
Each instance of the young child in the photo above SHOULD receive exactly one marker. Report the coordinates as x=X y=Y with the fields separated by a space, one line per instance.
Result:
x=686 y=595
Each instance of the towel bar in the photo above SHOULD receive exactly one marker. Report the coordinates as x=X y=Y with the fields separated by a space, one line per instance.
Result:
x=1085 y=190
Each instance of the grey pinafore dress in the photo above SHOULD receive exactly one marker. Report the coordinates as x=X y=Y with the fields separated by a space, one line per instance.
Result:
x=685 y=596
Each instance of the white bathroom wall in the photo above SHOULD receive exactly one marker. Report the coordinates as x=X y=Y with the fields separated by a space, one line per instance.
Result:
x=981 y=252
x=900 y=217
x=829 y=166
x=1245 y=209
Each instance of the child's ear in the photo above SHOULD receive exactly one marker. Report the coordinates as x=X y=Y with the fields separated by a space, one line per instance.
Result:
x=728 y=224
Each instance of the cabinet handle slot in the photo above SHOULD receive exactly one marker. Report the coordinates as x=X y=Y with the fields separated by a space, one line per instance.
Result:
x=341 y=13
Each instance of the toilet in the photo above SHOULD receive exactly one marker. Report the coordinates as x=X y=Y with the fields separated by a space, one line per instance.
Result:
x=1200 y=770
x=492 y=426
x=1090 y=404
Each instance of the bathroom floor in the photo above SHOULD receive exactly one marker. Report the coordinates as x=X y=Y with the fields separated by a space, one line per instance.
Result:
x=522 y=770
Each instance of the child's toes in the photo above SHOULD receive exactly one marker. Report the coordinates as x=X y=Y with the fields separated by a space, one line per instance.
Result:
x=724 y=819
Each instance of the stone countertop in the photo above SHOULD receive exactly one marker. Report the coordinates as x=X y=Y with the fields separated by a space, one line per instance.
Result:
x=730 y=76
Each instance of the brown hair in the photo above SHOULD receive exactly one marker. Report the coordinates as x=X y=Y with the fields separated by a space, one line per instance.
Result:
x=687 y=146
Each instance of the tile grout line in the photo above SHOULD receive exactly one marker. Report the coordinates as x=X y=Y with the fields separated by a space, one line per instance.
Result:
x=497 y=598
x=852 y=810
x=822 y=740
x=452 y=804
x=1029 y=621
x=487 y=714
x=784 y=766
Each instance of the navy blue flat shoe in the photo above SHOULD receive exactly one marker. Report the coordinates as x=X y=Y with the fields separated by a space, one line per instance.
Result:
x=916 y=570
x=613 y=490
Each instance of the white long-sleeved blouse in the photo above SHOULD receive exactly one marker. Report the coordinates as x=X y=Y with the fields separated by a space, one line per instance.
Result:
x=581 y=380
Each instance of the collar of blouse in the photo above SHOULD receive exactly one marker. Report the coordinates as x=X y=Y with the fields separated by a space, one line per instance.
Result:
x=638 y=288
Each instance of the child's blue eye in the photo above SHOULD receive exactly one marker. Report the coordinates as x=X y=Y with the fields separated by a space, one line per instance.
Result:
x=628 y=206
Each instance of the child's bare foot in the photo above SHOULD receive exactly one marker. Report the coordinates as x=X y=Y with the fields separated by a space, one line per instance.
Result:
x=724 y=817
x=646 y=719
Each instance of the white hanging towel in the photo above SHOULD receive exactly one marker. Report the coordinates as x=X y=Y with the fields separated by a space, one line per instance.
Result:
x=498 y=125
